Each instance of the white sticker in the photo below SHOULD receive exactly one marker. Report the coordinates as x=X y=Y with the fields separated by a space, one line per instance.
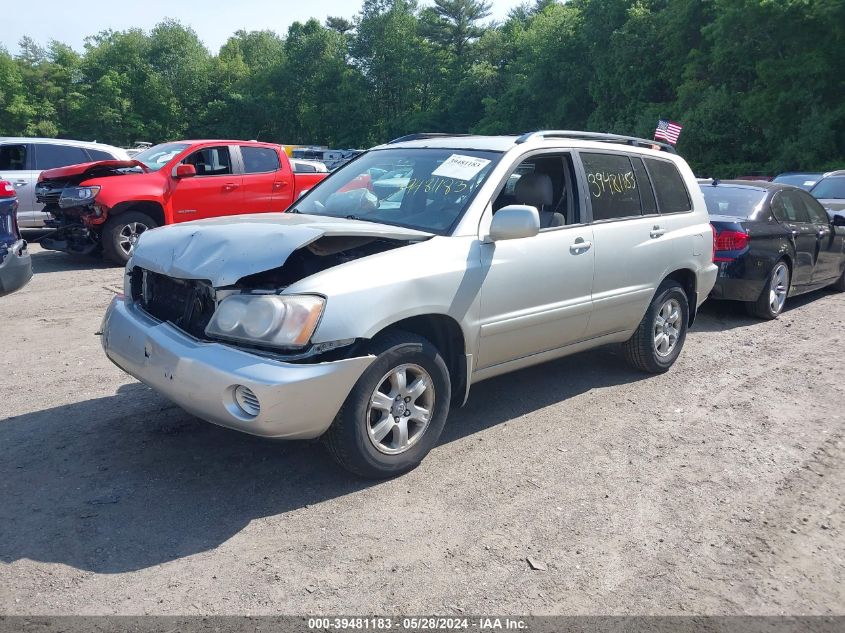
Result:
x=808 y=183
x=460 y=167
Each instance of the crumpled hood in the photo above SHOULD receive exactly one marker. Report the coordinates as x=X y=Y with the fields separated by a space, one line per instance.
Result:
x=89 y=168
x=224 y=250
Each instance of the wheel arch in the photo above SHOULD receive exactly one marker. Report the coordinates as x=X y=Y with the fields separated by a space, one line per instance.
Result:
x=446 y=334
x=152 y=209
x=687 y=279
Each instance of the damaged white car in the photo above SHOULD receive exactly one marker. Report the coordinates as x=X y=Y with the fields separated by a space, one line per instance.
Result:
x=364 y=312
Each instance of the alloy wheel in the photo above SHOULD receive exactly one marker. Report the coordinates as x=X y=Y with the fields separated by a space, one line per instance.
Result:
x=667 y=327
x=778 y=288
x=129 y=234
x=400 y=409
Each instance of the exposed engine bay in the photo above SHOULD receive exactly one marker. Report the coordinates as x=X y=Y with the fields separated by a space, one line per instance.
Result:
x=189 y=304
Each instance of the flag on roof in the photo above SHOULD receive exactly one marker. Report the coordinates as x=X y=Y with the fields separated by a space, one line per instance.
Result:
x=667 y=131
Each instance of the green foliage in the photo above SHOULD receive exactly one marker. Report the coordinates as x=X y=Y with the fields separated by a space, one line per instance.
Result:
x=756 y=83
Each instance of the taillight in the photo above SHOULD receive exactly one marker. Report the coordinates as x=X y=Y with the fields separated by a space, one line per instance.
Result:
x=6 y=189
x=728 y=241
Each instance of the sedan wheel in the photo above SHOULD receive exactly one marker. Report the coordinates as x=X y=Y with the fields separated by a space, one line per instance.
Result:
x=773 y=296
x=778 y=288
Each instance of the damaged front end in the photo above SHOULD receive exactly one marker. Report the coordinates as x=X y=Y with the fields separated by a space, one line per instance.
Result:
x=160 y=284
x=76 y=215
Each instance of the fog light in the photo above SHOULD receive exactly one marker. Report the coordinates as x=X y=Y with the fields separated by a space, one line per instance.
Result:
x=247 y=401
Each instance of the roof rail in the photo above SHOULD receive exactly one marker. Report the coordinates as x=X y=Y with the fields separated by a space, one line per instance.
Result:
x=423 y=135
x=596 y=136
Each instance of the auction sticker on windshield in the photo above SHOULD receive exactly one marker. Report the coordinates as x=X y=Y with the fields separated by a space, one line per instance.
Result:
x=461 y=167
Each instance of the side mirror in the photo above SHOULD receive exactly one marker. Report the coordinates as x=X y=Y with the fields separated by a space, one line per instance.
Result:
x=184 y=171
x=838 y=220
x=513 y=222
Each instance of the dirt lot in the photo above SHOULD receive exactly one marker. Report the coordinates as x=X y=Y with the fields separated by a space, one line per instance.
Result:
x=717 y=488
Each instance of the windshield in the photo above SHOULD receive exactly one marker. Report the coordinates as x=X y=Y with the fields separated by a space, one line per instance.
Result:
x=158 y=156
x=832 y=187
x=739 y=202
x=805 y=181
x=424 y=189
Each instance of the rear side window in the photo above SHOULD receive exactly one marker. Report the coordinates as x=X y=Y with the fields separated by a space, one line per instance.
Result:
x=788 y=207
x=304 y=168
x=259 y=159
x=672 y=195
x=49 y=156
x=816 y=211
x=613 y=187
x=12 y=157
x=98 y=154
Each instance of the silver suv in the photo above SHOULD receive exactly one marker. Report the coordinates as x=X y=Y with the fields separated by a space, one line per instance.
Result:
x=361 y=319
x=22 y=159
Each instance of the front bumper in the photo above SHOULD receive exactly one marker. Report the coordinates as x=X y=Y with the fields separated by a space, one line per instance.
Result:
x=15 y=268
x=298 y=401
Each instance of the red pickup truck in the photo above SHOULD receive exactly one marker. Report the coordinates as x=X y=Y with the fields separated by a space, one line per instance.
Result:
x=106 y=205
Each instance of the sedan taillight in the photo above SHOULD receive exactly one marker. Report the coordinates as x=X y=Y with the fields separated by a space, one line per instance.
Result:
x=728 y=241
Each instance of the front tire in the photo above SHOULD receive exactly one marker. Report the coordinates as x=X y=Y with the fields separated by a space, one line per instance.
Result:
x=773 y=296
x=396 y=411
x=657 y=342
x=839 y=284
x=121 y=232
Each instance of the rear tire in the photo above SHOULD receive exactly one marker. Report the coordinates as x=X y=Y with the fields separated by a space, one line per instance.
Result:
x=657 y=342
x=121 y=232
x=396 y=411
x=772 y=298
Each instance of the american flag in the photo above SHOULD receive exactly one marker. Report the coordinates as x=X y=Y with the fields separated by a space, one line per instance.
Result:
x=667 y=131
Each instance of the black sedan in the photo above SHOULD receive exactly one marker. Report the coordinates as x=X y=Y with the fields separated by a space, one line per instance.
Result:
x=772 y=241
x=15 y=262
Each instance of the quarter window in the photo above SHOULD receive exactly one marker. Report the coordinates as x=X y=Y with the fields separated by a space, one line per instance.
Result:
x=259 y=159
x=672 y=195
x=211 y=161
x=613 y=187
x=49 y=156
x=12 y=157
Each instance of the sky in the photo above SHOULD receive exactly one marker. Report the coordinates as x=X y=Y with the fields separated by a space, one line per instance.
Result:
x=214 y=21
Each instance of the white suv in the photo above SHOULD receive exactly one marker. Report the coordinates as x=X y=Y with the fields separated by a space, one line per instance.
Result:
x=363 y=313
x=22 y=159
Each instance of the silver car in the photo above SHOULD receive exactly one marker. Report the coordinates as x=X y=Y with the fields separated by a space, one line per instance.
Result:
x=22 y=159
x=362 y=323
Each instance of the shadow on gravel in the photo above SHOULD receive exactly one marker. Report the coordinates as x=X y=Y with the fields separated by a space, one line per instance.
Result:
x=717 y=316
x=129 y=481
x=57 y=262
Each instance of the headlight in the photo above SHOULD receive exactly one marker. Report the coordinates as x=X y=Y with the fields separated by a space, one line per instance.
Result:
x=275 y=320
x=76 y=196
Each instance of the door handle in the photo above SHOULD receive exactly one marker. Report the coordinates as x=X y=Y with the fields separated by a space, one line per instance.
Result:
x=579 y=245
x=657 y=231
x=20 y=183
x=230 y=186
x=279 y=185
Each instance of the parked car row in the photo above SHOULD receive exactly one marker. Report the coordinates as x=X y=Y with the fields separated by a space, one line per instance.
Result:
x=367 y=310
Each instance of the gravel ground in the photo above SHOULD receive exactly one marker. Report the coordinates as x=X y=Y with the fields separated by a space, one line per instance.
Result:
x=717 y=488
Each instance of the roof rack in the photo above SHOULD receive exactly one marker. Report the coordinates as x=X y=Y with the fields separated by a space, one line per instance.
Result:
x=596 y=136
x=423 y=135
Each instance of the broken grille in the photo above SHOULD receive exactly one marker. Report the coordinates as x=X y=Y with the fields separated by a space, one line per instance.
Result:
x=186 y=303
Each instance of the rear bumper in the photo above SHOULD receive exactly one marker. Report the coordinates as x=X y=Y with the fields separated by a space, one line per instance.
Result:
x=297 y=401
x=742 y=279
x=15 y=269
x=705 y=278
